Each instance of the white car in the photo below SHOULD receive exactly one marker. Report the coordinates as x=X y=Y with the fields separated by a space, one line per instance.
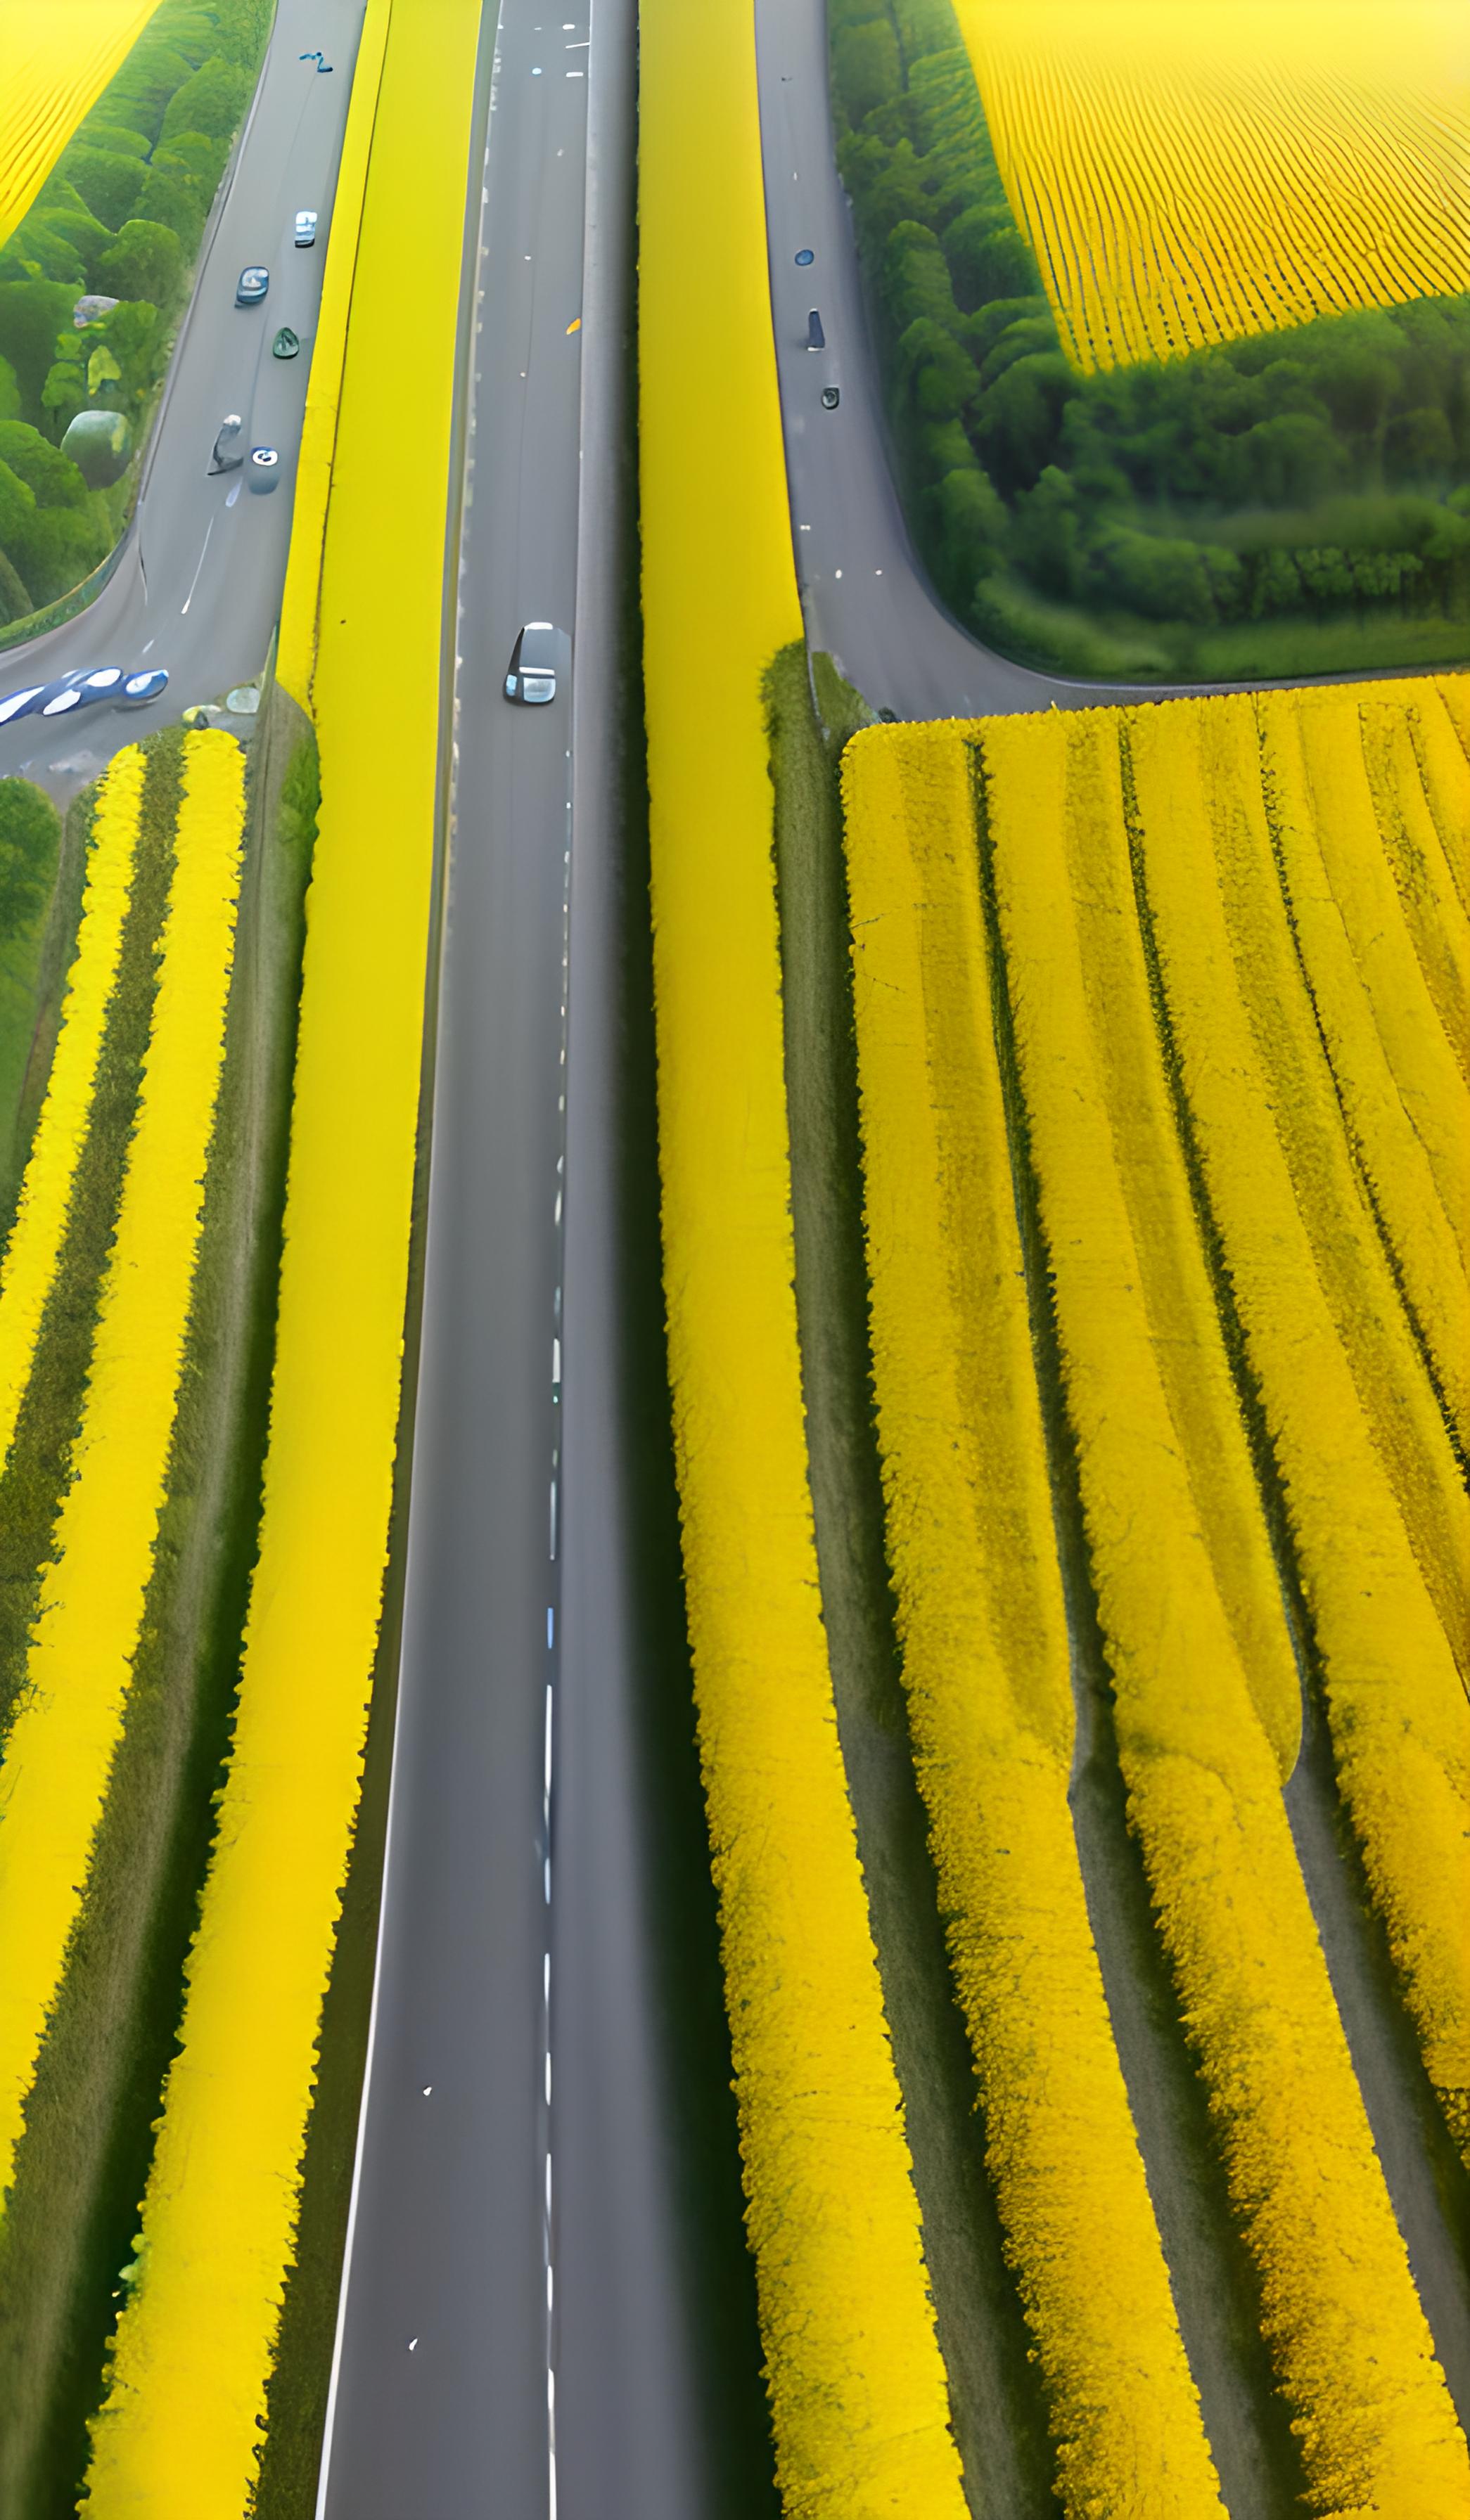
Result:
x=306 y=227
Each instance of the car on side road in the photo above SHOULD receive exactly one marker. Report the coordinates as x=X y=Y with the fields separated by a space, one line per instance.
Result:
x=251 y=285
x=227 y=456
x=306 y=227
x=69 y=692
x=138 y=689
x=532 y=678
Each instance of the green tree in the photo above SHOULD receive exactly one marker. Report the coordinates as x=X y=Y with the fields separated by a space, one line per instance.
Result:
x=29 y=836
x=212 y=101
x=971 y=521
x=938 y=376
x=1275 y=585
x=31 y=314
x=52 y=477
x=174 y=198
x=1163 y=579
x=14 y=595
x=146 y=262
x=1004 y=266
x=865 y=68
x=10 y=392
x=113 y=137
x=1021 y=419
x=1047 y=534
x=916 y=279
x=108 y=181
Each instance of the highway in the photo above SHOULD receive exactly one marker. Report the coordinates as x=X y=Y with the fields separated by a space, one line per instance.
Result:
x=515 y=2333
x=197 y=585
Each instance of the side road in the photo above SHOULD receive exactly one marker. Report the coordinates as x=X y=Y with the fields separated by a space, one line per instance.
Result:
x=197 y=587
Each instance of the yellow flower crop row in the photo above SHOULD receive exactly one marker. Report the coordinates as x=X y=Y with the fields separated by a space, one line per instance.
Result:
x=296 y=655
x=1190 y=174
x=1439 y=717
x=178 y=2437
x=1398 y=1401
x=45 y=1202
x=1414 y=1149
x=857 y=2385
x=60 y=1746
x=985 y=1641
x=1340 y=2312
x=1433 y=910
x=58 y=56
x=1401 y=1727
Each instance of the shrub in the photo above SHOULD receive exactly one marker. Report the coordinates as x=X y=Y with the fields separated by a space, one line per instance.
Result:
x=30 y=834
x=212 y=102
x=107 y=181
x=146 y=262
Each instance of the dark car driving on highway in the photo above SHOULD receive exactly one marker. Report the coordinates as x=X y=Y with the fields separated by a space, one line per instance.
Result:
x=228 y=454
x=251 y=285
x=532 y=678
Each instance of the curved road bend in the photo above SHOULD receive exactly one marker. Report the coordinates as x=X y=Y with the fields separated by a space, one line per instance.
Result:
x=198 y=587
x=865 y=596
x=510 y=2337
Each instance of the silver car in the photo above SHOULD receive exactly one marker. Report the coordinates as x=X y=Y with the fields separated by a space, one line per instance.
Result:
x=306 y=227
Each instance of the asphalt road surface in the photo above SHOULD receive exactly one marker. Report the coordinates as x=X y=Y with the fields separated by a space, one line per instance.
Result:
x=509 y=2190
x=198 y=586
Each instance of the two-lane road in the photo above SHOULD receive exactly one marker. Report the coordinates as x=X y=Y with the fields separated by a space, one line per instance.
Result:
x=197 y=585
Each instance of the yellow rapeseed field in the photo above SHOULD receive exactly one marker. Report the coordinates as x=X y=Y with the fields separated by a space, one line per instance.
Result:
x=296 y=655
x=39 y=1230
x=1187 y=174
x=57 y=56
x=60 y=1745
x=857 y=2388
x=983 y=1634
x=1340 y=2312
x=1165 y=917
x=177 y=2438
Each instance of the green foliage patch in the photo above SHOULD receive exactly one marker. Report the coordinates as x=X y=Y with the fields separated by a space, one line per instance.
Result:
x=1316 y=480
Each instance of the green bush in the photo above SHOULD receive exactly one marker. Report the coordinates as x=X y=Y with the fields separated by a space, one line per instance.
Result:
x=107 y=181
x=212 y=102
x=51 y=476
x=31 y=830
x=146 y=262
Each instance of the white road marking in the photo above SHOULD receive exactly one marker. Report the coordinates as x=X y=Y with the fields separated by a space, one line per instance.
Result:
x=189 y=598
